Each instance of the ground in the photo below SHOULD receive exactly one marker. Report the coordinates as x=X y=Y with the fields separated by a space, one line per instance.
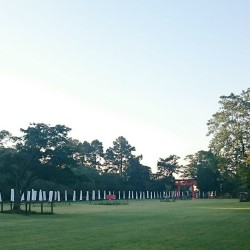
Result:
x=150 y=224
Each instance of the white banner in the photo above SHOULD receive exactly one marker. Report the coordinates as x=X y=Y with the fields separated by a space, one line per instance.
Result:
x=12 y=195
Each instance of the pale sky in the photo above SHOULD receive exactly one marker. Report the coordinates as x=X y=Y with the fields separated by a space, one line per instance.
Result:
x=151 y=71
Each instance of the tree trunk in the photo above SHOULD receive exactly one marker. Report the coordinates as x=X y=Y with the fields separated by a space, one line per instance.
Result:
x=17 y=201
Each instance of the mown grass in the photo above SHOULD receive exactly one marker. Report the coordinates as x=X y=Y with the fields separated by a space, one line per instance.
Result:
x=196 y=224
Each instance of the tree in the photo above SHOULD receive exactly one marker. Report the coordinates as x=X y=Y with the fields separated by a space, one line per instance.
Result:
x=229 y=128
x=118 y=156
x=168 y=166
x=15 y=166
x=137 y=175
x=245 y=173
x=204 y=167
x=50 y=145
x=43 y=152
x=166 y=169
x=93 y=154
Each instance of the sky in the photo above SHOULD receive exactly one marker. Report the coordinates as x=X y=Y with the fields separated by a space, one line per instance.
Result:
x=151 y=71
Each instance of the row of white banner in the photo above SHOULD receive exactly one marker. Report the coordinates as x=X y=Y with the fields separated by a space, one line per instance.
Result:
x=34 y=195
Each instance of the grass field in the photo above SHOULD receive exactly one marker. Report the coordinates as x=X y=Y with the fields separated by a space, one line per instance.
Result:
x=194 y=224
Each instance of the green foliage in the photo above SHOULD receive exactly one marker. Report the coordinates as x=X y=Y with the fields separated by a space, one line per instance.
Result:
x=229 y=128
x=204 y=167
x=138 y=175
x=168 y=166
x=117 y=157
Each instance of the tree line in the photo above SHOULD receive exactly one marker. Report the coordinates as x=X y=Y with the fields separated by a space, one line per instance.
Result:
x=46 y=157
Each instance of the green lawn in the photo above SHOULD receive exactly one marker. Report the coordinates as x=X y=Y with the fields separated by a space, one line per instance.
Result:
x=196 y=224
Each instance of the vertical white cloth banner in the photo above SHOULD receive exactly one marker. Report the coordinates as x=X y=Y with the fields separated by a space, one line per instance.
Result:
x=109 y=192
x=151 y=195
x=99 y=195
x=28 y=196
x=87 y=196
x=147 y=195
x=51 y=196
x=0 y=197
x=136 y=195
x=40 y=196
x=44 y=196
x=12 y=195
x=65 y=195
x=124 y=195
x=104 y=195
x=128 y=194
x=33 y=195
x=55 y=195
x=132 y=195
x=140 y=195
x=93 y=195
x=58 y=196
x=22 y=197
x=80 y=198
x=143 y=195
x=119 y=195
x=74 y=195
x=154 y=195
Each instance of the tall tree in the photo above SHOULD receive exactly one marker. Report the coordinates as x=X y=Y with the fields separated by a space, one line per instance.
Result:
x=168 y=166
x=50 y=145
x=117 y=157
x=93 y=154
x=229 y=128
x=138 y=175
x=15 y=166
x=204 y=167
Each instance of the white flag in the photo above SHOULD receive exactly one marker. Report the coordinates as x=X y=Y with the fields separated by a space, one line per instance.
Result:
x=65 y=195
x=40 y=197
x=44 y=195
x=12 y=195
x=28 y=196
x=51 y=196
x=93 y=195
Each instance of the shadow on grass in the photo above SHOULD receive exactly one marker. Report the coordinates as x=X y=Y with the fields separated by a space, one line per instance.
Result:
x=23 y=212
